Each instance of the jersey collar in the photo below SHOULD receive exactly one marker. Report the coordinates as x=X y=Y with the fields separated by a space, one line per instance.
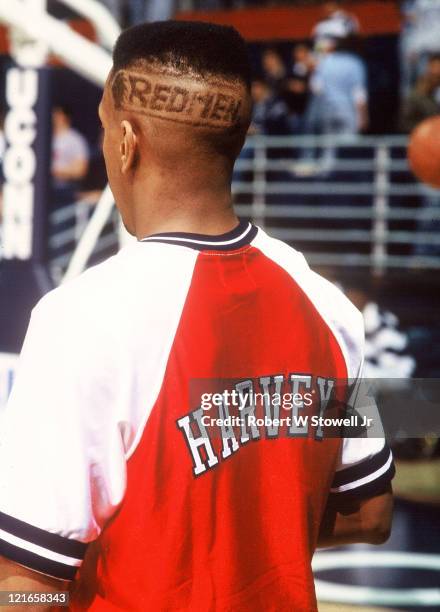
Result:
x=240 y=236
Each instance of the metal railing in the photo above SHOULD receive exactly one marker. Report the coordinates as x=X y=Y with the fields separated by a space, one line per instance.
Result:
x=353 y=203
x=342 y=201
x=66 y=228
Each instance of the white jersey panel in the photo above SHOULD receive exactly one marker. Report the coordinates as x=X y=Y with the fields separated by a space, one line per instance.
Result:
x=91 y=368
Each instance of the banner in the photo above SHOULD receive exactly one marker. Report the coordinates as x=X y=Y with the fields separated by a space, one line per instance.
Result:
x=26 y=191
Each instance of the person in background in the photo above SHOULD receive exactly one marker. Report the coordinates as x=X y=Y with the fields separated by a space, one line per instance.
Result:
x=270 y=116
x=408 y=57
x=336 y=23
x=424 y=102
x=270 y=112
x=274 y=70
x=297 y=86
x=424 y=99
x=70 y=156
x=421 y=26
x=338 y=105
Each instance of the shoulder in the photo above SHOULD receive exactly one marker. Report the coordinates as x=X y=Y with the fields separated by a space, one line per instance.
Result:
x=338 y=313
x=106 y=297
x=73 y=295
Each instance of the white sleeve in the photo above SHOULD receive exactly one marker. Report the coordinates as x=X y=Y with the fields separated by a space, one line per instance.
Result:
x=62 y=467
x=365 y=465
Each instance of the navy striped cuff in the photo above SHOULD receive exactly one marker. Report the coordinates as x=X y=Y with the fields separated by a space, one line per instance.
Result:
x=366 y=478
x=39 y=550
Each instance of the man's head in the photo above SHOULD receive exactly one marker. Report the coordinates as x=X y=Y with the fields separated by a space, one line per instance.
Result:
x=272 y=63
x=177 y=101
x=301 y=53
x=61 y=118
x=330 y=8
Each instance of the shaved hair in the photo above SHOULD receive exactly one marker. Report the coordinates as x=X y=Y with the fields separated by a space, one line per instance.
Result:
x=186 y=47
x=172 y=97
x=184 y=72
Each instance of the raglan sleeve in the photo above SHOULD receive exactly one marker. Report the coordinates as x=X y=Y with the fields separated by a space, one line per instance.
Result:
x=62 y=462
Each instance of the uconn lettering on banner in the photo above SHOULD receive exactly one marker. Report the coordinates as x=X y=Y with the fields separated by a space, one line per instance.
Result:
x=20 y=162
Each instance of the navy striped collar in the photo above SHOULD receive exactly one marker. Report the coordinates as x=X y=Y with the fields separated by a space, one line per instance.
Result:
x=240 y=236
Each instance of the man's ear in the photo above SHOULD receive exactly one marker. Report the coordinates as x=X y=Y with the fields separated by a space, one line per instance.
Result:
x=128 y=147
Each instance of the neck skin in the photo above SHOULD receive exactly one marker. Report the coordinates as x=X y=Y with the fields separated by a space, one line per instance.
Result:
x=195 y=199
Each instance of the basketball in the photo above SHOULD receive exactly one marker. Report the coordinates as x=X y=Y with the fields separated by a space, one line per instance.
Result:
x=424 y=151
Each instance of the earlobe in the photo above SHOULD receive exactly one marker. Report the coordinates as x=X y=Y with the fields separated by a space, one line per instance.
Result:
x=128 y=147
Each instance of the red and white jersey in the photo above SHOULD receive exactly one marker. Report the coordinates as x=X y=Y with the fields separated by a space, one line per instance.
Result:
x=107 y=466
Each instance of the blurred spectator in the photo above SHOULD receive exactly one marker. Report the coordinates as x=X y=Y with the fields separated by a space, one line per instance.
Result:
x=297 y=86
x=407 y=55
x=338 y=106
x=270 y=112
x=269 y=117
x=274 y=70
x=336 y=24
x=421 y=37
x=70 y=156
x=424 y=99
x=339 y=90
x=424 y=102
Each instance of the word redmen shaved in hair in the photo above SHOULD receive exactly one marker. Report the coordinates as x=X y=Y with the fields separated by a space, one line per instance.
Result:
x=175 y=98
